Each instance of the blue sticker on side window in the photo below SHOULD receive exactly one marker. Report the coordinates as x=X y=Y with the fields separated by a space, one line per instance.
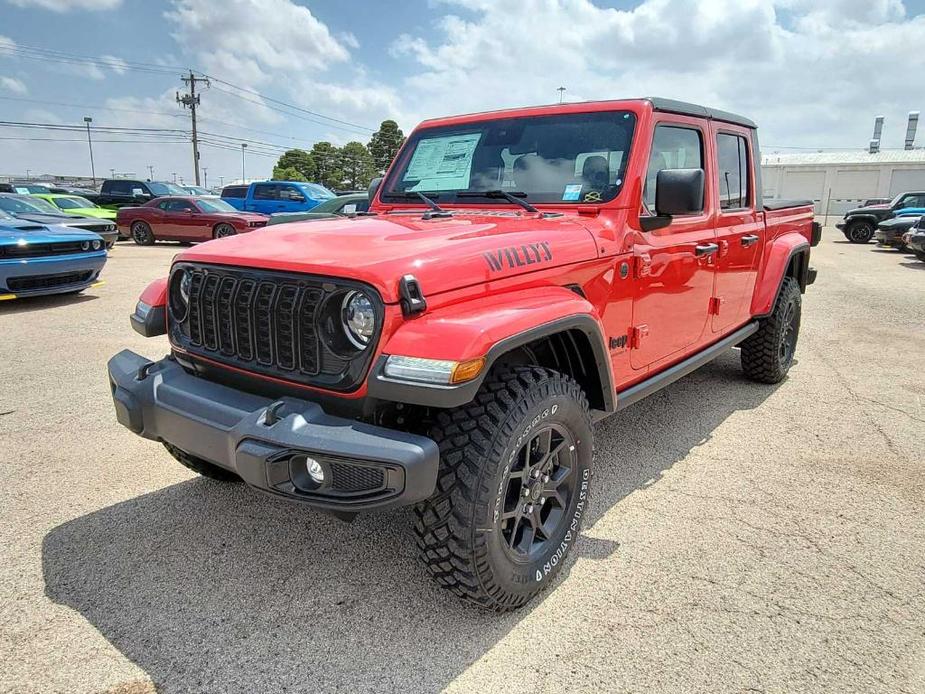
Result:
x=572 y=192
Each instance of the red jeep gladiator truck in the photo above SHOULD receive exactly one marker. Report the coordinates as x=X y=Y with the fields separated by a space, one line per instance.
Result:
x=519 y=275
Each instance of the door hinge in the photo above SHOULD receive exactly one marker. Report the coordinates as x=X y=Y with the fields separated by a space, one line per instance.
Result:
x=643 y=265
x=638 y=333
x=716 y=303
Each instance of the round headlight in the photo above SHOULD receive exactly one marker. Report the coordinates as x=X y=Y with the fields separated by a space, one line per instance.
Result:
x=85 y=245
x=179 y=295
x=359 y=318
x=96 y=245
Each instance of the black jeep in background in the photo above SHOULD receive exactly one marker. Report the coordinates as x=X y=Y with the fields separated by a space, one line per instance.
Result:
x=859 y=224
x=124 y=192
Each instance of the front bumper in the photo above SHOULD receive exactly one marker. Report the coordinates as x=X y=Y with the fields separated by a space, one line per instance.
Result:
x=841 y=226
x=893 y=239
x=87 y=265
x=266 y=442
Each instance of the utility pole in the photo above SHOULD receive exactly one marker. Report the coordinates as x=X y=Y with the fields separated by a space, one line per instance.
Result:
x=243 y=147
x=191 y=101
x=89 y=120
x=151 y=171
x=174 y=174
x=205 y=177
x=561 y=91
x=221 y=181
x=112 y=172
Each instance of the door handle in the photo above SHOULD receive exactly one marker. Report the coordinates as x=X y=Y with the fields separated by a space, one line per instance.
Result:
x=749 y=240
x=706 y=249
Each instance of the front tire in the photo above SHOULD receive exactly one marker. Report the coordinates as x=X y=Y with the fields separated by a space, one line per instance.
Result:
x=515 y=472
x=767 y=354
x=200 y=466
x=223 y=230
x=860 y=232
x=142 y=234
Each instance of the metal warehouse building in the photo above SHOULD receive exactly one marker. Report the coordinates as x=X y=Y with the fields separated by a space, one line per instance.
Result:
x=838 y=181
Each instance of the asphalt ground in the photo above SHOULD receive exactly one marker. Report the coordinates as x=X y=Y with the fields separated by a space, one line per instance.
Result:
x=741 y=538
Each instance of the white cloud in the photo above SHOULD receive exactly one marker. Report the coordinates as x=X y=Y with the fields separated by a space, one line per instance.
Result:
x=68 y=5
x=11 y=84
x=254 y=41
x=7 y=43
x=810 y=72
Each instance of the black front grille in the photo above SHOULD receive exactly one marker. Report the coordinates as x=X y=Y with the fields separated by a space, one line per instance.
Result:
x=23 y=284
x=37 y=250
x=98 y=228
x=267 y=322
x=353 y=478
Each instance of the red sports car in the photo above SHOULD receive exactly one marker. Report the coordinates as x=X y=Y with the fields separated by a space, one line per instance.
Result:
x=185 y=219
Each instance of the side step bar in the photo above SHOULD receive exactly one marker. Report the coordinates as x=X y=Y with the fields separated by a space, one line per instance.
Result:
x=635 y=393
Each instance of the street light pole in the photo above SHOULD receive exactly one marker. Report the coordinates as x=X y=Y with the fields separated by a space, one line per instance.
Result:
x=89 y=120
x=151 y=171
x=243 y=147
x=205 y=177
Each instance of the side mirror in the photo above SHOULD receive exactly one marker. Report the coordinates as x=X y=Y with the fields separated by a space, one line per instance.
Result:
x=677 y=192
x=374 y=188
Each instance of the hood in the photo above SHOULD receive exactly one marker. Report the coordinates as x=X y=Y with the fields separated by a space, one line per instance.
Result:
x=95 y=212
x=58 y=219
x=876 y=210
x=30 y=232
x=903 y=222
x=247 y=216
x=443 y=253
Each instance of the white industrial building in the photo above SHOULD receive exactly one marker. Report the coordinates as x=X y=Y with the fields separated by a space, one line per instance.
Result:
x=838 y=181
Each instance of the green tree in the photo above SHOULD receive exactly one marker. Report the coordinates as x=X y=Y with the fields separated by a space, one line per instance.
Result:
x=298 y=160
x=287 y=174
x=384 y=144
x=357 y=165
x=327 y=160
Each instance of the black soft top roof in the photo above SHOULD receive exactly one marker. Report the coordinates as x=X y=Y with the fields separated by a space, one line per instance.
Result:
x=686 y=109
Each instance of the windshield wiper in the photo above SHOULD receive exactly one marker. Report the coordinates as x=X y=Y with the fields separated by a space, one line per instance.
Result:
x=513 y=196
x=435 y=209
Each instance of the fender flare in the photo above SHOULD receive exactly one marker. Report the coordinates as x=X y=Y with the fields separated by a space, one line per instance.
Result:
x=150 y=316
x=781 y=253
x=862 y=218
x=574 y=313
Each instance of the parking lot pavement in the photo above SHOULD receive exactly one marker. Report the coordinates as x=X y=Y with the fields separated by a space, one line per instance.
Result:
x=743 y=537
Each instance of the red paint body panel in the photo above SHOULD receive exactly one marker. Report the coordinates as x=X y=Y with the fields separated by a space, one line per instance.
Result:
x=155 y=294
x=493 y=271
x=469 y=330
x=195 y=225
x=443 y=254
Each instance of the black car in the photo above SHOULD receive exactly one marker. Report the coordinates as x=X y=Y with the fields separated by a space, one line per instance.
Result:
x=859 y=224
x=915 y=239
x=890 y=231
x=36 y=210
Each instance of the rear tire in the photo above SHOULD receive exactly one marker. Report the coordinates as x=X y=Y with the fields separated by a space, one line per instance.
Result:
x=515 y=471
x=142 y=234
x=198 y=465
x=920 y=255
x=767 y=354
x=860 y=232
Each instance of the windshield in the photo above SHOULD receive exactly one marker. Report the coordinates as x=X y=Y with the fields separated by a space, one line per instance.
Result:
x=194 y=190
x=73 y=203
x=166 y=189
x=215 y=205
x=568 y=158
x=26 y=206
x=316 y=192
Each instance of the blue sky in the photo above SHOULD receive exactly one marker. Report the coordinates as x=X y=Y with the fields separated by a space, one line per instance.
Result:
x=795 y=66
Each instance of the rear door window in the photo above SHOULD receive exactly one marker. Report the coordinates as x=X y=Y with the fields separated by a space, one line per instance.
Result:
x=732 y=172
x=266 y=191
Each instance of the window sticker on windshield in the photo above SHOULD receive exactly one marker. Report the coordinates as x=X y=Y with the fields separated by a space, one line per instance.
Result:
x=442 y=163
x=572 y=192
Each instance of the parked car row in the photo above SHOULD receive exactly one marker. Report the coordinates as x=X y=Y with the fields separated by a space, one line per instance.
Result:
x=54 y=241
x=860 y=225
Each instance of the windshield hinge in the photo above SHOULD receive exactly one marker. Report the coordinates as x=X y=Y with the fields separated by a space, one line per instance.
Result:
x=410 y=296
